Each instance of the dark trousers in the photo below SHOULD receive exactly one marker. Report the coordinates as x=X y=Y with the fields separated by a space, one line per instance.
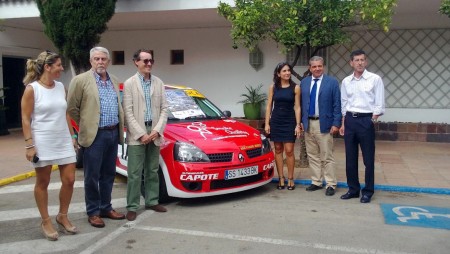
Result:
x=359 y=131
x=99 y=163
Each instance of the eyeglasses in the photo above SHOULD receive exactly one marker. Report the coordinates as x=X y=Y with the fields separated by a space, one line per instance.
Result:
x=146 y=61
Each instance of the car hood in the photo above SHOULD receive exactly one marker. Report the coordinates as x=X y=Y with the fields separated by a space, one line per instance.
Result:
x=215 y=134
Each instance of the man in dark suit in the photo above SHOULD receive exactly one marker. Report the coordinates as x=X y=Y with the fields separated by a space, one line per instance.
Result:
x=321 y=119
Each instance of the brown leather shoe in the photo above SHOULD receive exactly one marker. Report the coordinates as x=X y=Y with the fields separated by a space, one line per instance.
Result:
x=113 y=215
x=157 y=208
x=96 y=221
x=131 y=216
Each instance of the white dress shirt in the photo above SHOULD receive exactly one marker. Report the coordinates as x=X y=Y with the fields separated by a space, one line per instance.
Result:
x=363 y=95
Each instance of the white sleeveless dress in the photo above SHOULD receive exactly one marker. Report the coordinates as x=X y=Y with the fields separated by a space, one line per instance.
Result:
x=49 y=128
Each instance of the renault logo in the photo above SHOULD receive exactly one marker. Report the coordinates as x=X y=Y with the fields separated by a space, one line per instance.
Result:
x=241 y=157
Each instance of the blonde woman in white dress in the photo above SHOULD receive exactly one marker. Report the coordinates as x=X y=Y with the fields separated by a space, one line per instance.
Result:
x=49 y=138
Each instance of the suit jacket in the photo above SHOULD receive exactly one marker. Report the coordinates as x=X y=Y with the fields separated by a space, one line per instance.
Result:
x=329 y=103
x=134 y=106
x=83 y=106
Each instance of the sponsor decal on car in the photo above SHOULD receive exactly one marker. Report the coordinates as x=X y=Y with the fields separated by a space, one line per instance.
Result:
x=203 y=130
x=194 y=93
x=200 y=128
x=269 y=166
x=251 y=147
x=198 y=176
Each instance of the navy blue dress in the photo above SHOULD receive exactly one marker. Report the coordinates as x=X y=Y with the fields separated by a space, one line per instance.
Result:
x=282 y=120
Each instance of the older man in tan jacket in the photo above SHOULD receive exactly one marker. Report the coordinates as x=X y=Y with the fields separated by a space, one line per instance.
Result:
x=145 y=107
x=94 y=104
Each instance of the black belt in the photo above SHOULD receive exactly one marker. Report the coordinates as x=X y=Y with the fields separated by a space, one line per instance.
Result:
x=313 y=117
x=357 y=114
x=148 y=123
x=109 y=127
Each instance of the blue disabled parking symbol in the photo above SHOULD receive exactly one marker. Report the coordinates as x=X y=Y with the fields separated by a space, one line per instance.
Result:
x=416 y=216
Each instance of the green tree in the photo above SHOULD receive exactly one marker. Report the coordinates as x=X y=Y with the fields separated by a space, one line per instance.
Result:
x=303 y=24
x=445 y=8
x=75 y=26
x=300 y=24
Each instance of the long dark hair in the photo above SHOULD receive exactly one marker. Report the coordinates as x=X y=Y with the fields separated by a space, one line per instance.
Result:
x=277 y=80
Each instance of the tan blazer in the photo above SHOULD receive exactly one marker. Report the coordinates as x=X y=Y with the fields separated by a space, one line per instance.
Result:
x=83 y=106
x=135 y=109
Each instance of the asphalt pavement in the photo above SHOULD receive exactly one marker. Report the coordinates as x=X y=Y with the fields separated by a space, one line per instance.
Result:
x=404 y=166
x=409 y=213
x=262 y=220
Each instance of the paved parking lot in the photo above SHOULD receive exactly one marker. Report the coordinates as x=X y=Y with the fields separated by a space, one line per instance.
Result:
x=264 y=220
x=399 y=166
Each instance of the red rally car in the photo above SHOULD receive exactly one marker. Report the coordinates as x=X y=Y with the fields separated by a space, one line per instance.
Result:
x=206 y=152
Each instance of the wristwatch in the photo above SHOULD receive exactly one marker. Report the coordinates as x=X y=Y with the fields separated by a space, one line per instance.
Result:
x=374 y=120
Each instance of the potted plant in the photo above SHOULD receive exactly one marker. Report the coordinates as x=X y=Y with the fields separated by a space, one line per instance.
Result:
x=253 y=99
x=3 y=108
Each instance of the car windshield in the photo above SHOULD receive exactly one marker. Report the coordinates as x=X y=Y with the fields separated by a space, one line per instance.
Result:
x=189 y=104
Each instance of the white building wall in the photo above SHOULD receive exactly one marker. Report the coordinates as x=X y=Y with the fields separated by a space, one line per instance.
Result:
x=21 y=44
x=211 y=65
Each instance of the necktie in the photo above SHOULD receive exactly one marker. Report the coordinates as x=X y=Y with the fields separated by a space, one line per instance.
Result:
x=312 y=98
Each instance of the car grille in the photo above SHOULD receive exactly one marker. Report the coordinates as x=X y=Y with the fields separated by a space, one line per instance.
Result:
x=220 y=184
x=220 y=157
x=252 y=153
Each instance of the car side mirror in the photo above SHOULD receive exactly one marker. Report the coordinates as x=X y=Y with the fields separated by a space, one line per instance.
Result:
x=227 y=113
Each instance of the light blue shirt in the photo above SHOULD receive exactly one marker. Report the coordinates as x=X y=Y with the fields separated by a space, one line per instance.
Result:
x=146 y=84
x=109 y=105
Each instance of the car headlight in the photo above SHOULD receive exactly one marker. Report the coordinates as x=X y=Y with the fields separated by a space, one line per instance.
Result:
x=265 y=144
x=186 y=152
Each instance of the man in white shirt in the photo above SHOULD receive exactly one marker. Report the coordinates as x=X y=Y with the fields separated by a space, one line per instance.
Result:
x=362 y=101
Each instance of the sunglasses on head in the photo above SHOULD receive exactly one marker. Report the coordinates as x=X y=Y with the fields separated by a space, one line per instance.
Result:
x=146 y=61
x=49 y=53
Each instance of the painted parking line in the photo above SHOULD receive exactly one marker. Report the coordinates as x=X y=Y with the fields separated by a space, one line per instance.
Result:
x=30 y=187
x=116 y=233
x=28 y=213
x=416 y=216
x=63 y=245
x=265 y=240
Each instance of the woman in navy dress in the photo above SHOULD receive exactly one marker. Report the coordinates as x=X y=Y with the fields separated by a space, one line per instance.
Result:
x=283 y=120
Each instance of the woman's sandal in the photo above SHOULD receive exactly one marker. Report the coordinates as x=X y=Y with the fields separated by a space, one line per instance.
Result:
x=70 y=230
x=291 y=184
x=51 y=236
x=281 y=180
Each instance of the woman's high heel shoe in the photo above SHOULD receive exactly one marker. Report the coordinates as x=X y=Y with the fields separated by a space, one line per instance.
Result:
x=66 y=230
x=291 y=184
x=281 y=183
x=51 y=236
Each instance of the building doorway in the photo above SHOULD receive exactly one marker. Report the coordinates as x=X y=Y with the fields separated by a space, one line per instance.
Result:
x=13 y=73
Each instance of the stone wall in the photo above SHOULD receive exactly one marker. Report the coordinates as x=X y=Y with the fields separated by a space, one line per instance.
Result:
x=424 y=132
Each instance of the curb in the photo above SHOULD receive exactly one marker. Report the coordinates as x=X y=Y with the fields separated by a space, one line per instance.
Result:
x=393 y=188
x=21 y=177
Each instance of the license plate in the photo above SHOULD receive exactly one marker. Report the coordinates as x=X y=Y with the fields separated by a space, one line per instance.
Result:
x=241 y=172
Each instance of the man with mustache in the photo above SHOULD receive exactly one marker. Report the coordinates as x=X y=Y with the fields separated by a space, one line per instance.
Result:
x=94 y=104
